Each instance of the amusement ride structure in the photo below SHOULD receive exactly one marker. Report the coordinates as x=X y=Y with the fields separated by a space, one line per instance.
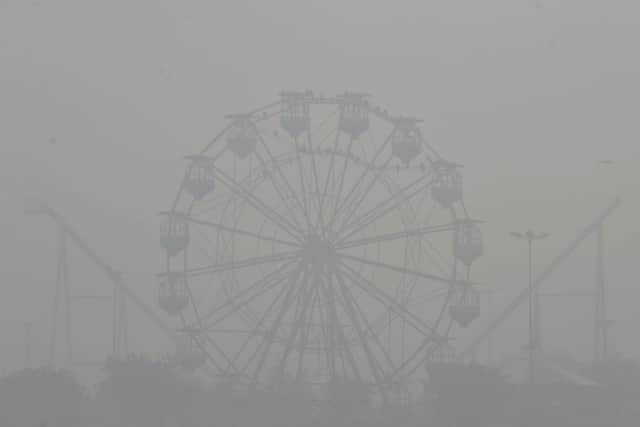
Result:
x=318 y=239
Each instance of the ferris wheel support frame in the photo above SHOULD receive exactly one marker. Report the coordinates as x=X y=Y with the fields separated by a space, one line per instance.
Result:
x=593 y=227
x=113 y=275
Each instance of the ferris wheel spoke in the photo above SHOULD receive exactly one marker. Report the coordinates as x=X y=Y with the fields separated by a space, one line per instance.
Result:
x=351 y=205
x=420 y=208
x=431 y=296
x=419 y=357
x=240 y=231
x=304 y=337
x=299 y=313
x=336 y=332
x=201 y=346
x=410 y=360
x=244 y=263
x=375 y=335
x=260 y=206
x=340 y=205
x=416 y=232
x=238 y=189
x=199 y=318
x=353 y=309
x=379 y=212
x=373 y=291
x=435 y=255
x=374 y=367
x=384 y=207
x=216 y=139
x=379 y=323
x=342 y=175
x=303 y=185
x=407 y=213
x=204 y=351
x=358 y=203
x=285 y=180
x=372 y=331
x=396 y=268
x=278 y=190
x=244 y=297
x=322 y=316
x=316 y=179
x=330 y=170
x=230 y=362
x=282 y=197
x=258 y=327
x=270 y=337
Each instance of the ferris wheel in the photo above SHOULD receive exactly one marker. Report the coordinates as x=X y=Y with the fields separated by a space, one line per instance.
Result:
x=318 y=239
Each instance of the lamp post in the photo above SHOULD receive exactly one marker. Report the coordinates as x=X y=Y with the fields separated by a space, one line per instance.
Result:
x=530 y=237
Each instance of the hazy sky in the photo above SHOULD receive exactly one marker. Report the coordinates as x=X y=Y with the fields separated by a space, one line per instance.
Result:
x=527 y=95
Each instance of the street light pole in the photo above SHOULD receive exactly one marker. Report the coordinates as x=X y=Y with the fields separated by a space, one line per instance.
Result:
x=534 y=309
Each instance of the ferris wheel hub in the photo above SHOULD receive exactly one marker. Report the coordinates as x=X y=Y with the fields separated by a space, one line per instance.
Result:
x=319 y=252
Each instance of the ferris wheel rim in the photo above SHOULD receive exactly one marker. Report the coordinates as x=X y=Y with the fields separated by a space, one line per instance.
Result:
x=293 y=227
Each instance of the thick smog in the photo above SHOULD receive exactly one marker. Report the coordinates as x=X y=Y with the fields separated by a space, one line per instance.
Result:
x=322 y=213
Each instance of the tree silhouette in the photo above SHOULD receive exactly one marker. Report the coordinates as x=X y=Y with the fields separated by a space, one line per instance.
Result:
x=142 y=393
x=35 y=397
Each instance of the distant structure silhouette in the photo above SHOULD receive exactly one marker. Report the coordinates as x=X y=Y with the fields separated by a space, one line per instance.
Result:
x=306 y=217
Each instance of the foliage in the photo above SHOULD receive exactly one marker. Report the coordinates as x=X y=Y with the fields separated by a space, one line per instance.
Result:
x=33 y=397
